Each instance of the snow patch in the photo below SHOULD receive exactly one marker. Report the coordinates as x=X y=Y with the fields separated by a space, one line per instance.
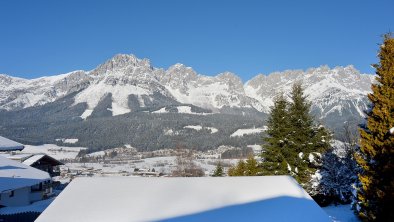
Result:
x=184 y=109
x=213 y=129
x=120 y=94
x=311 y=158
x=242 y=132
x=162 y=110
x=86 y=113
x=72 y=141
x=118 y=109
x=196 y=127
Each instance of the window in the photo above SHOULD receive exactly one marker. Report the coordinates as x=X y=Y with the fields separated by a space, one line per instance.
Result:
x=37 y=187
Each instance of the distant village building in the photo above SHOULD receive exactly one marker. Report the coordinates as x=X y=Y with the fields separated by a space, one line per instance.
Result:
x=9 y=145
x=39 y=161
x=21 y=184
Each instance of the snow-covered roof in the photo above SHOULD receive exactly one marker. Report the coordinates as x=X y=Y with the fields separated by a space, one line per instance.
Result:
x=38 y=206
x=264 y=198
x=42 y=157
x=20 y=157
x=14 y=175
x=8 y=145
x=33 y=159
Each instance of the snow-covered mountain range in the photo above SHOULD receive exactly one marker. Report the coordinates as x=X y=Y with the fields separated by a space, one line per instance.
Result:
x=330 y=90
x=126 y=84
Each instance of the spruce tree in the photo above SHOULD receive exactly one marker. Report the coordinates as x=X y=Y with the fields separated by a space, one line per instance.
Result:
x=252 y=167
x=219 y=172
x=237 y=170
x=306 y=140
x=249 y=167
x=274 y=162
x=294 y=144
x=376 y=194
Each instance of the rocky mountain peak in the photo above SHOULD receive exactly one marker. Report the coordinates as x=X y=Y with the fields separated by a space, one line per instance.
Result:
x=178 y=76
x=121 y=62
x=232 y=80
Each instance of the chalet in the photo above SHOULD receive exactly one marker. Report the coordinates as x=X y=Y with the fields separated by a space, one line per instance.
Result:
x=9 y=145
x=45 y=163
x=39 y=161
x=22 y=185
x=264 y=198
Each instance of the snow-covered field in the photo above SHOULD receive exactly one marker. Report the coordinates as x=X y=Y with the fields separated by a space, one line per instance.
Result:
x=163 y=165
x=57 y=152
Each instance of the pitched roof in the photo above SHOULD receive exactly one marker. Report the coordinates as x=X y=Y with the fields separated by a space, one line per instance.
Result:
x=14 y=175
x=8 y=145
x=29 y=161
x=265 y=198
x=42 y=157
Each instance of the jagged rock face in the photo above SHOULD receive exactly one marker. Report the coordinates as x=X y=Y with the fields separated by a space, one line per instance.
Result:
x=17 y=93
x=178 y=77
x=126 y=84
x=127 y=64
x=340 y=90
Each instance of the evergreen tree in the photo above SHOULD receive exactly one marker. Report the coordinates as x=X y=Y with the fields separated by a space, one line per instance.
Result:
x=306 y=141
x=295 y=143
x=219 y=172
x=376 y=194
x=277 y=130
x=335 y=180
x=238 y=169
x=248 y=168
x=337 y=177
x=252 y=167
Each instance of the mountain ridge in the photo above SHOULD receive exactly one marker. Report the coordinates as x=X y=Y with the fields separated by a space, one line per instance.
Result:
x=124 y=86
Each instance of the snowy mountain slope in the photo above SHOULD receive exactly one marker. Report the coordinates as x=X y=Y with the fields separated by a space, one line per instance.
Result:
x=225 y=89
x=126 y=84
x=339 y=91
x=18 y=93
x=122 y=76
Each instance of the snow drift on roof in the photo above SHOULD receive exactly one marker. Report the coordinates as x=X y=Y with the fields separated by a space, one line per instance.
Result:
x=7 y=144
x=268 y=198
x=14 y=175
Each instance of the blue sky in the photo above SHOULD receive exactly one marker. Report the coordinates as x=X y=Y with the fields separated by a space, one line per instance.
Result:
x=40 y=38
